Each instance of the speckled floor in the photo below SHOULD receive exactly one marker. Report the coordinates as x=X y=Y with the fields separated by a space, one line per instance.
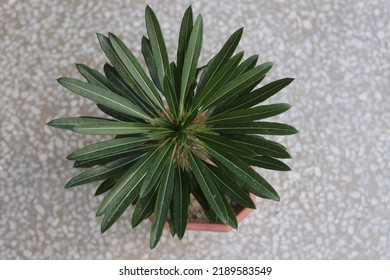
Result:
x=336 y=202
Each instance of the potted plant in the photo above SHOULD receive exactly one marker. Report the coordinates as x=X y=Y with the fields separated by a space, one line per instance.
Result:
x=202 y=142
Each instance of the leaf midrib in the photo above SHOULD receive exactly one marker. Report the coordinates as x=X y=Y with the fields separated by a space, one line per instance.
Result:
x=110 y=100
x=246 y=174
x=244 y=115
x=220 y=62
x=105 y=147
x=151 y=94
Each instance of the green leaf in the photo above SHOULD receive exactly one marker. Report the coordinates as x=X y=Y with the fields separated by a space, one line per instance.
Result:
x=163 y=203
x=232 y=220
x=70 y=122
x=106 y=159
x=208 y=186
x=107 y=184
x=253 y=181
x=156 y=169
x=227 y=185
x=123 y=72
x=115 y=128
x=199 y=196
x=125 y=191
x=260 y=145
x=157 y=43
x=238 y=85
x=220 y=59
x=103 y=96
x=101 y=172
x=180 y=202
x=223 y=143
x=107 y=148
x=171 y=223
x=218 y=80
x=95 y=78
x=186 y=26
x=265 y=128
x=128 y=185
x=257 y=96
x=171 y=97
x=134 y=68
x=246 y=65
x=175 y=81
x=191 y=60
x=266 y=162
x=118 y=116
x=146 y=50
x=138 y=99
x=249 y=114
x=144 y=208
x=126 y=198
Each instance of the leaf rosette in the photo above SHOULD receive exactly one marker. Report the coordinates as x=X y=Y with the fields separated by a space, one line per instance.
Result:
x=202 y=140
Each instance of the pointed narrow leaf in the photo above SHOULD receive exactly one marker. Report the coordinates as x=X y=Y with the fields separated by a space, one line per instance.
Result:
x=100 y=172
x=163 y=203
x=180 y=202
x=224 y=144
x=260 y=145
x=118 y=116
x=108 y=147
x=266 y=162
x=146 y=50
x=218 y=79
x=103 y=96
x=127 y=185
x=239 y=84
x=220 y=59
x=113 y=75
x=249 y=114
x=257 y=96
x=230 y=187
x=115 y=128
x=70 y=122
x=170 y=96
x=175 y=80
x=265 y=128
x=106 y=159
x=157 y=44
x=186 y=26
x=114 y=213
x=208 y=187
x=191 y=60
x=171 y=223
x=134 y=68
x=144 y=208
x=95 y=78
x=107 y=184
x=199 y=196
x=253 y=181
x=124 y=73
x=246 y=65
x=156 y=169
x=231 y=220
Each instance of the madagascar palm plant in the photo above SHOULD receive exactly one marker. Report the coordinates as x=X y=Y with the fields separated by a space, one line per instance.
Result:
x=202 y=141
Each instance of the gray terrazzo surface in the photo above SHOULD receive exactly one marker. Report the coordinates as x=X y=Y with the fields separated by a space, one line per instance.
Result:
x=334 y=205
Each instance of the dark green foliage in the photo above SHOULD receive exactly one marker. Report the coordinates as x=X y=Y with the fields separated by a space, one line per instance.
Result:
x=203 y=144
